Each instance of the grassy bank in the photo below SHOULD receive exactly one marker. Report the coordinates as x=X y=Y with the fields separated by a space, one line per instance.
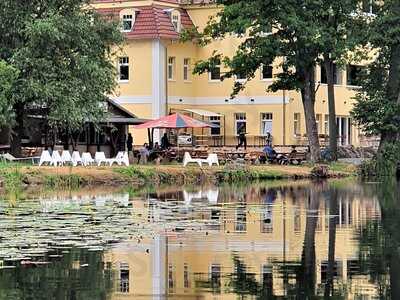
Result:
x=14 y=176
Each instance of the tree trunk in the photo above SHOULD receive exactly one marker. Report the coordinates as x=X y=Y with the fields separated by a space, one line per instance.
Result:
x=333 y=221
x=17 y=131
x=307 y=278
x=308 y=97
x=333 y=132
x=393 y=86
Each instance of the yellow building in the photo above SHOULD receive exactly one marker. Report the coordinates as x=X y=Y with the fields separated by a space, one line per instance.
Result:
x=155 y=78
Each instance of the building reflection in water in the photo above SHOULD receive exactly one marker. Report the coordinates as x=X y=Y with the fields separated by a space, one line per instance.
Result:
x=256 y=240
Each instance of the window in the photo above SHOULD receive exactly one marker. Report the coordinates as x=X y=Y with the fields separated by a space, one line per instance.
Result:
x=215 y=277
x=370 y=6
x=266 y=72
x=124 y=277
x=337 y=75
x=266 y=123
x=123 y=68
x=266 y=220
x=318 y=120
x=241 y=219
x=176 y=20
x=354 y=74
x=216 y=120
x=127 y=23
x=186 y=282
x=171 y=68
x=240 y=76
x=170 y=277
x=240 y=123
x=296 y=123
x=186 y=69
x=326 y=124
x=215 y=72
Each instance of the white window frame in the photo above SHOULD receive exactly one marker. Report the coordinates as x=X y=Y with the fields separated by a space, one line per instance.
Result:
x=326 y=124
x=238 y=79
x=216 y=120
x=186 y=69
x=265 y=117
x=123 y=61
x=240 y=118
x=128 y=18
x=297 y=124
x=217 y=66
x=262 y=73
x=318 y=121
x=171 y=68
x=176 y=20
x=370 y=12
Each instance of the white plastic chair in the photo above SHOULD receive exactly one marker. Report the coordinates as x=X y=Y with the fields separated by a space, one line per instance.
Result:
x=56 y=159
x=100 y=158
x=66 y=157
x=76 y=158
x=187 y=159
x=121 y=158
x=45 y=157
x=212 y=159
x=87 y=159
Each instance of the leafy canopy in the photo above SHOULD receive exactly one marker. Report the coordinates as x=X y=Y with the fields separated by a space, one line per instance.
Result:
x=8 y=75
x=62 y=51
x=299 y=31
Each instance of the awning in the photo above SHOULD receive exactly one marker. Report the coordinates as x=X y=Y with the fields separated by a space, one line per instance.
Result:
x=202 y=112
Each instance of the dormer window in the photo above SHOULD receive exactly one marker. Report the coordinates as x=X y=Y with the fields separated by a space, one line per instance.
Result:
x=127 y=23
x=176 y=20
x=127 y=19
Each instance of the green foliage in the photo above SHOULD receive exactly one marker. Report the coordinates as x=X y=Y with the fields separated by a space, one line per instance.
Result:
x=63 y=55
x=377 y=109
x=8 y=75
x=70 y=181
x=300 y=32
x=11 y=175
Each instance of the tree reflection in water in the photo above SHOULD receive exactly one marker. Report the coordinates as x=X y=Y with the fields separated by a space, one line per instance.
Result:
x=79 y=275
x=380 y=242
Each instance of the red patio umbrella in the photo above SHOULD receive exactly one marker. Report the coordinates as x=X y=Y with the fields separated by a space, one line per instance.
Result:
x=175 y=121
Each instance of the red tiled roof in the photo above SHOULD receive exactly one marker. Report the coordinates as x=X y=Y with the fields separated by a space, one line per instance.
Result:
x=152 y=22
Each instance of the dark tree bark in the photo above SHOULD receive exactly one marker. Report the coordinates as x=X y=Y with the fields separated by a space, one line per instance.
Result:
x=17 y=131
x=333 y=221
x=307 y=276
x=393 y=86
x=333 y=132
x=308 y=97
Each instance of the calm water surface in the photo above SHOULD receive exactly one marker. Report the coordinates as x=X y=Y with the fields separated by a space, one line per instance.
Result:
x=280 y=240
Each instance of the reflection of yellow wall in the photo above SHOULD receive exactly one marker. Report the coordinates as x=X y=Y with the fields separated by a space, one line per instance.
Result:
x=199 y=90
x=200 y=250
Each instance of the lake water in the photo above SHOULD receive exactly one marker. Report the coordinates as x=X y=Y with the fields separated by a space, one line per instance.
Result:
x=286 y=240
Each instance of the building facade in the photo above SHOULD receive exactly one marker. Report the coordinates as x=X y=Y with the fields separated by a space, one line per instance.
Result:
x=155 y=78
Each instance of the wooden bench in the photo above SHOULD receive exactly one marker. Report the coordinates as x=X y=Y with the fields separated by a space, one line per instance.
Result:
x=297 y=157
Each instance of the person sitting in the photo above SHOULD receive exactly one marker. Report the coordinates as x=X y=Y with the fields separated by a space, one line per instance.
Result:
x=144 y=153
x=270 y=153
x=165 y=144
x=155 y=152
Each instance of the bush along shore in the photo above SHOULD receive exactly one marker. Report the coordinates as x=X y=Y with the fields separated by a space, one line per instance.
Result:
x=13 y=176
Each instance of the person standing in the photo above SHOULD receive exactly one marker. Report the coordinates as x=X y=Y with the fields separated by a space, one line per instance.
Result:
x=242 y=138
x=129 y=145
x=165 y=144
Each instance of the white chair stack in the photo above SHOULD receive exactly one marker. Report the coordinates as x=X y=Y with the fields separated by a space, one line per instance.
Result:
x=45 y=157
x=100 y=158
x=212 y=159
x=66 y=157
x=87 y=159
x=121 y=158
x=56 y=158
x=76 y=158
